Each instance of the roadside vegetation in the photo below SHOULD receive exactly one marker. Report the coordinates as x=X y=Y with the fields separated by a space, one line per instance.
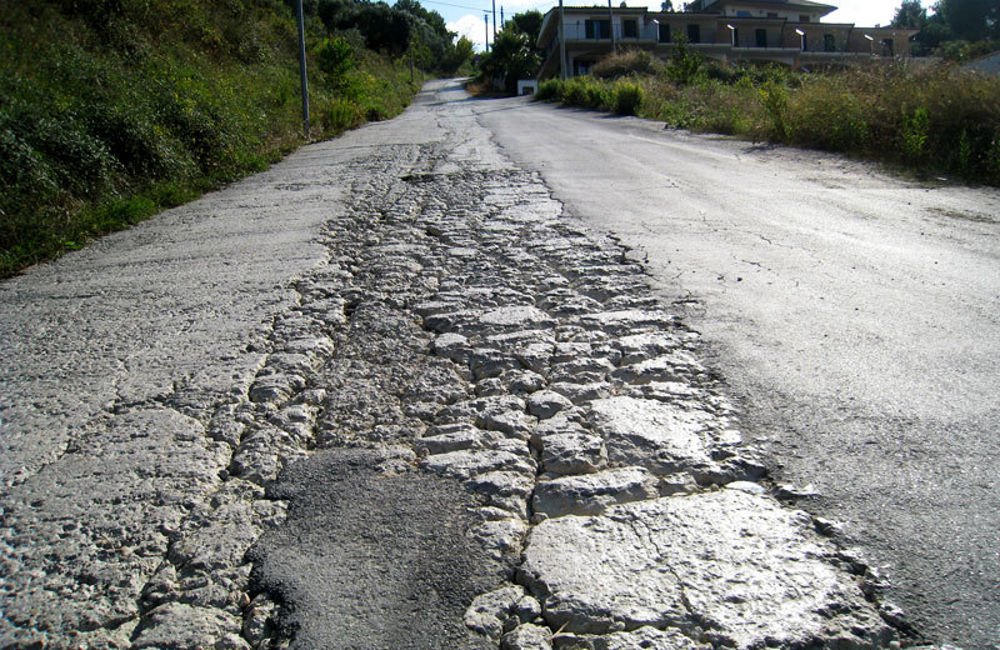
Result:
x=111 y=110
x=513 y=55
x=957 y=30
x=930 y=117
x=935 y=119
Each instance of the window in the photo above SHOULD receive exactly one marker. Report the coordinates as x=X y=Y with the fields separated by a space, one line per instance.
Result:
x=664 y=33
x=887 y=47
x=598 y=29
x=761 y=37
x=743 y=13
x=694 y=33
x=772 y=14
x=829 y=43
x=803 y=18
x=630 y=28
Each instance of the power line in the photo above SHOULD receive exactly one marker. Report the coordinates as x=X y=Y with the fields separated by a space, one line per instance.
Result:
x=489 y=11
x=448 y=4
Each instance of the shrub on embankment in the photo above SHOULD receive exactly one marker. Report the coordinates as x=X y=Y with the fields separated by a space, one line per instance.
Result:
x=113 y=109
x=930 y=119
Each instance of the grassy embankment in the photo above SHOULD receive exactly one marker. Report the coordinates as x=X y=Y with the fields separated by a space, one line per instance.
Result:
x=935 y=120
x=111 y=110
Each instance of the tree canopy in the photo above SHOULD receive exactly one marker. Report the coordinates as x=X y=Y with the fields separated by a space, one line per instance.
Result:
x=970 y=20
x=513 y=55
x=910 y=15
x=528 y=23
x=955 y=28
x=405 y=28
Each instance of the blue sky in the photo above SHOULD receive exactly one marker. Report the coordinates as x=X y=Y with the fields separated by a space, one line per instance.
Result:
x=466 y=16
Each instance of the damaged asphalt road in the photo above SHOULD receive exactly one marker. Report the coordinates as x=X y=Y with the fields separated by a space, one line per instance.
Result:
x=388 y=394
x=855 y=316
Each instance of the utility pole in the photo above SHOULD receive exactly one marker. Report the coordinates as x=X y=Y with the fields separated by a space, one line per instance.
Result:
x=486 y=19
x=302 y=67
x=611 y=26
x=494 y=21
x=503 y=22
x=562 y=42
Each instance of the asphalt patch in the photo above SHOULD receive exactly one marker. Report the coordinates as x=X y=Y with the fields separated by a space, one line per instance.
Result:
x=370 y=558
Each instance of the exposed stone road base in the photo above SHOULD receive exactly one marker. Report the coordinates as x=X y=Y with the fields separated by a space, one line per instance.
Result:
x=484 y=430
x=487 y=340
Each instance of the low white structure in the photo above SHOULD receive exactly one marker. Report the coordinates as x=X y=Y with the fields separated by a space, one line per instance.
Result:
x=527 y=86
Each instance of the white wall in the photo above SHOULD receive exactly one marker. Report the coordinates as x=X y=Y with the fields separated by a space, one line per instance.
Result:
x=755 y=12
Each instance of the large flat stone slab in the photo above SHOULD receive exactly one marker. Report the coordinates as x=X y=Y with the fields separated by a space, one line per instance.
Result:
x=659 y=436
x=589 y=494
x=725 y=567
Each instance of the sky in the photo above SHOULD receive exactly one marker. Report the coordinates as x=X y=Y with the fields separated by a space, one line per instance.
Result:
x=466 y=16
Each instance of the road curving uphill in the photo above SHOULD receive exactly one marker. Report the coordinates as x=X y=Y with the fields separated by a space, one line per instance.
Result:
x=455 y=419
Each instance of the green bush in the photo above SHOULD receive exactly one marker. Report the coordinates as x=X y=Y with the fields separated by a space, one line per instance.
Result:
x=915 y=131
x=57 y=152
x=685 y=65
x=962 y=51
x=627 y=97
x=634 y=62
x=574 y=92
x=113 y=109
x=585 y=92
x=512 y=57
x=825 y=117
x=113 y=213
x=939 y=118
x=550 y=90
x=933 y=118
x=774 y=98
x=342 y=114
x=335 y=57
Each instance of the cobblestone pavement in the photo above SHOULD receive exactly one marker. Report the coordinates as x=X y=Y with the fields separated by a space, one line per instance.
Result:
x=464 y=422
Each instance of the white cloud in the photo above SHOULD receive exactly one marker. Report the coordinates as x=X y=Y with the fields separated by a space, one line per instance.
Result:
x=471 y=27
x=512 y=7
x=864 y=13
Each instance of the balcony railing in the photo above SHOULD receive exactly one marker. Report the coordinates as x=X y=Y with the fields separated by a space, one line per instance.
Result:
x=577 y=31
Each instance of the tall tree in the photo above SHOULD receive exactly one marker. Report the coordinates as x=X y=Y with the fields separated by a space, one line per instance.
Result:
x=970 y=20
x=512 y=57
x=910 y=15
x=432 y=18
x=528 y=23
x=459 y=55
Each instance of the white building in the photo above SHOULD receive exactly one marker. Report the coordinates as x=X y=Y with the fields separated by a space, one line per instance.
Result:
x=790 y=32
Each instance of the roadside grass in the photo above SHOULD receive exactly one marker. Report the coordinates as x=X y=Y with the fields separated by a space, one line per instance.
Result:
x=928 y=119
x=106 y=119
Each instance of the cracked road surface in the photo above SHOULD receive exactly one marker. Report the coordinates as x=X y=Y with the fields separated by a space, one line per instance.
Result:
x=855 y=315
x=389 y=394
